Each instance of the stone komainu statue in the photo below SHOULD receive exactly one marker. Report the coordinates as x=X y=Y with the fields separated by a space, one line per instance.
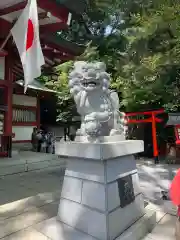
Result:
x=96 y=103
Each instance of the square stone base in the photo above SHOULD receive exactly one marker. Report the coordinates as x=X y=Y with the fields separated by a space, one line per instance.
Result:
x=56 y=230
x=101 y=195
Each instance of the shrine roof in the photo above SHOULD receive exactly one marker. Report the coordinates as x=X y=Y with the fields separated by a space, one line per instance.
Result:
x=53 y=17
x=76 y=6
x=36 y=85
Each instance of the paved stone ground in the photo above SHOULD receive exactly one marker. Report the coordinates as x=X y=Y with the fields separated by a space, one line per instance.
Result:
x=27 y=199
x=30 y=198
x=154 y=179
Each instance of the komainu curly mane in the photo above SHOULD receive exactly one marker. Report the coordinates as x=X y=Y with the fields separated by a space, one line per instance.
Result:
x=97 y=105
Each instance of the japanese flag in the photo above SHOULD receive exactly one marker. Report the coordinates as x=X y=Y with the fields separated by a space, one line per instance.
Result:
x=26 y=36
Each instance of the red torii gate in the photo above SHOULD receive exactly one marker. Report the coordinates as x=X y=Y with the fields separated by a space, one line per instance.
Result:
x=152 y=118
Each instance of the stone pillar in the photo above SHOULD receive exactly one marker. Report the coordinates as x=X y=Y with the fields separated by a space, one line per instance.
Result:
x=101 y=195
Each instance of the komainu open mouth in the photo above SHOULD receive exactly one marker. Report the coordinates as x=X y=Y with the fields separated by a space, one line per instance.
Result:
x=91 y=83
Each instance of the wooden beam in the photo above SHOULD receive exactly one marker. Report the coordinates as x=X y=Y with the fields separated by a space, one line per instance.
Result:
x=53 y=41
x=18 y=64
x=3 y=53
x=5 y=27
x=54 y=8
x=18 y=70
x=17 y=74
x=52 y=27
x=57 y=60
x=52 y=56
x=66 y=58
x=13 y=8
x=43 y=15
x=58 y=54
x=46 y=65
x=50 y=6
x=55 y=46
x=49 y=61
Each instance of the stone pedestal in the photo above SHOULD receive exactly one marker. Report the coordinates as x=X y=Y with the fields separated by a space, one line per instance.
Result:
x=101 y=196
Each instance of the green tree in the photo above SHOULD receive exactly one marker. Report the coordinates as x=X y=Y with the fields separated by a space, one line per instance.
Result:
x=150 y=76
x=59 y=83
x=141 y=53
x=92 y=26
x=89 y=29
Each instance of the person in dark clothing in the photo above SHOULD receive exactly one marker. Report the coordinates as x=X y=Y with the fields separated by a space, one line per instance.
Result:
x=65 y=133
x=50 y=142
x=34 y=140
x=39 y=140
x=72 y=133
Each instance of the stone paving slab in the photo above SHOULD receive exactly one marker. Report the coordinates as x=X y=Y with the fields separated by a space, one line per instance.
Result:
x=27 y=199
x=165 y=229
x=28 y=161
x=153 y=180
x=22 y=199
x=25 y=185
x=27 y=204
x=26 y=234
x=28 y=219
x=56 y=230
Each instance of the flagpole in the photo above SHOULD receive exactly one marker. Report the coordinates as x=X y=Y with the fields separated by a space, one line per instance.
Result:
x=5 y=41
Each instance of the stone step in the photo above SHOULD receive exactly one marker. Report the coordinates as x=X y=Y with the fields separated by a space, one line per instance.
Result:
x=165 y=229
x=29 y=161
x=27 y=219
x=13 y=209
x=55 y=230
x=26 y=234
x=141 y=227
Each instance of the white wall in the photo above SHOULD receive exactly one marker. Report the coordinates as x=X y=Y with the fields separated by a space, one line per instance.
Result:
x=22 y=132
x=24 y=100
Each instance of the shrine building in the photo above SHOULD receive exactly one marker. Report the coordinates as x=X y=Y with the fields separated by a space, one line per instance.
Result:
x=19 y=112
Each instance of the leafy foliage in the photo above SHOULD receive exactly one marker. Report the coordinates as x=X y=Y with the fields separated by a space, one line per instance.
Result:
x=150 y=76
x=142 y=52
x=59 y=83
x=92 y=26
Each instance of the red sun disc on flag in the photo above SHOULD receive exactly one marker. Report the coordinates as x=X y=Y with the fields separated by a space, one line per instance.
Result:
x=30 y=34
